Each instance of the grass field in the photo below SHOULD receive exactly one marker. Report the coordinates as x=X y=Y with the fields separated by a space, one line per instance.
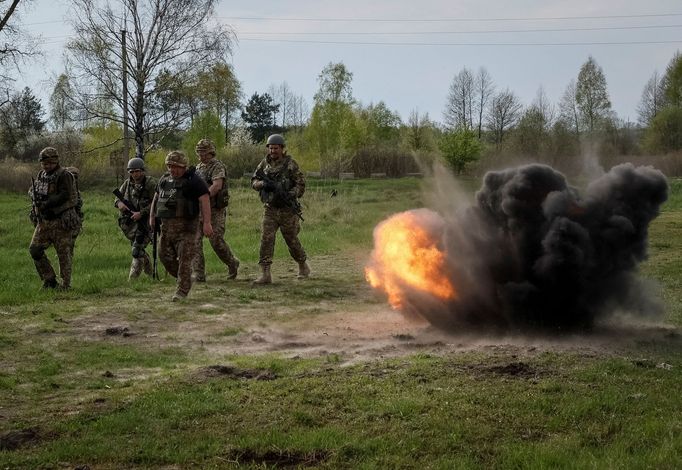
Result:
x=314 y=374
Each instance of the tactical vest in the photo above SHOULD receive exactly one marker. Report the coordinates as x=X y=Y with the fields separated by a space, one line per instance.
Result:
x=172 y=201
x=282 y=175
x=138 y=194
x=47 y=185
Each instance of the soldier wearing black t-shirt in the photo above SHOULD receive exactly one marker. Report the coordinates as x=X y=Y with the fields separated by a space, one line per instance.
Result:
x=180 y=197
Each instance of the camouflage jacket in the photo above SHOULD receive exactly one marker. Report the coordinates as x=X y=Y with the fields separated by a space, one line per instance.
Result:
x=285 y=171
x=211 y=171
x=140 y=195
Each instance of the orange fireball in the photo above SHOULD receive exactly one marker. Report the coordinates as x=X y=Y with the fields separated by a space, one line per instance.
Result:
x=407 y=257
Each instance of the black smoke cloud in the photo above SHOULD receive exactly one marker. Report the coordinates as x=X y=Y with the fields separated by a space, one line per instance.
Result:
x=532 y=252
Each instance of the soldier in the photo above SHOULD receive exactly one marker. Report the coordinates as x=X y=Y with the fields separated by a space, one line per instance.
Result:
x=179 y=199
x=215 y=175
x=138 y=191
x=280 y=183
x=54 y=198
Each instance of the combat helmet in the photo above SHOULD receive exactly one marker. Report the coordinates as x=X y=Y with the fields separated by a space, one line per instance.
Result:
x=177 y=158
x=205 y=145
x=135 y=164
x=275 y=139
x=48 y=153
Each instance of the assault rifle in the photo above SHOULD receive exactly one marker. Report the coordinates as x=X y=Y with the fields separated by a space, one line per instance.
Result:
x=155 y=238
x=129 y=205
x=274 y=190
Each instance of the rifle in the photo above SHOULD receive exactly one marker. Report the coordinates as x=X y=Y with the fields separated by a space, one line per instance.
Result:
x=129 y=205
x=155 y=269
x=273 y=189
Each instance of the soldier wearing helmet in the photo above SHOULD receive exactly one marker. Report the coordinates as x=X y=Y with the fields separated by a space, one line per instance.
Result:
x=214 y=174
x=54 y=196
x=181 y=196
x=138 y=191
x=280 y=183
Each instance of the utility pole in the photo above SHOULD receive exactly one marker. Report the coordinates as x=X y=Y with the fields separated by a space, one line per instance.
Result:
x=124 y=60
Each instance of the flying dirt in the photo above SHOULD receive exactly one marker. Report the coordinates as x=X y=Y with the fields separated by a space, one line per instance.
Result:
x=530 y=253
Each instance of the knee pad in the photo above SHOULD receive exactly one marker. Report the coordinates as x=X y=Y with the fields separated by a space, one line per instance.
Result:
x=37 y=252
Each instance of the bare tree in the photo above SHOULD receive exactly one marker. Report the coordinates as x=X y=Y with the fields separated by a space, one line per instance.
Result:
x=458 y=112
x=544 y=107
x=300 y=111
x=484 y=89
x=418 y=131
x=505 y=111
x=652 y=100
x=160 y=35
x=15 y=44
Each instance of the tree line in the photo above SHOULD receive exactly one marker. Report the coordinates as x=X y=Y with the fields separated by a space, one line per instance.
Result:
x=163 y=75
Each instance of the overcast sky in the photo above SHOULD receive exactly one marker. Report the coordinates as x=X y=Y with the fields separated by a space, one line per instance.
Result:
x=406 y=53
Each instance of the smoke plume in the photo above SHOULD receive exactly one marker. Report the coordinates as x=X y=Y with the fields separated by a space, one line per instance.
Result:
x=533 y=252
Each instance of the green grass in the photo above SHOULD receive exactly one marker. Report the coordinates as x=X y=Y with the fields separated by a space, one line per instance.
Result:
x=151 y=399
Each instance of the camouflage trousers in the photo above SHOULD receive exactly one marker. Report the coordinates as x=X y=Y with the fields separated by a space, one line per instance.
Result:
x=217 y=241
x=177 y=250
x=47 y=233
x=290 y=225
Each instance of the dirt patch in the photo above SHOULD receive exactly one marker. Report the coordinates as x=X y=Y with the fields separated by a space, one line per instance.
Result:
x=13 y=440
x=278 y=458
x=352 y=331
x=236 y=373
x=514 y=369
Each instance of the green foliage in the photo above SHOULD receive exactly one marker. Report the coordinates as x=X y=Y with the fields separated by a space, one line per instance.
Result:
x=460 y=148
x=530 y=137
x=259 y=116
x=664 y=134
x=241 y=159
x=206 y=125
x=672 y=81
x=331 y=123
x=21 y=117
x=591 y=95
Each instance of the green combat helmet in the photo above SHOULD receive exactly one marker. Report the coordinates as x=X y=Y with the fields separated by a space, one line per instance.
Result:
x=177 y=158
x=205 y=145
x=275 y=139
x=135 y=164
x=48 y=153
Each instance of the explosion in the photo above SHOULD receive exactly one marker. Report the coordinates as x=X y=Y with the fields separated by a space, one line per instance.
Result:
x=407 y=256
x=531 y=252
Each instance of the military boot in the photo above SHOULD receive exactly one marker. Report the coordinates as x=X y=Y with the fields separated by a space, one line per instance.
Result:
x=265 y=277
x=135 y=269
x=232 y=268
x=303 y=270
x=50 y=284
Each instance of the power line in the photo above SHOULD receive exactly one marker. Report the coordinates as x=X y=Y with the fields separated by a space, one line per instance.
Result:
x=488 y=31
x=464 y=44
x=443 y=20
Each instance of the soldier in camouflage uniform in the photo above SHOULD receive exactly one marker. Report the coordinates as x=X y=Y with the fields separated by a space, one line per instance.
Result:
x=180 y=197
x=139 y=191
x=54 y=201
x=214 y=174
x=280 y=183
